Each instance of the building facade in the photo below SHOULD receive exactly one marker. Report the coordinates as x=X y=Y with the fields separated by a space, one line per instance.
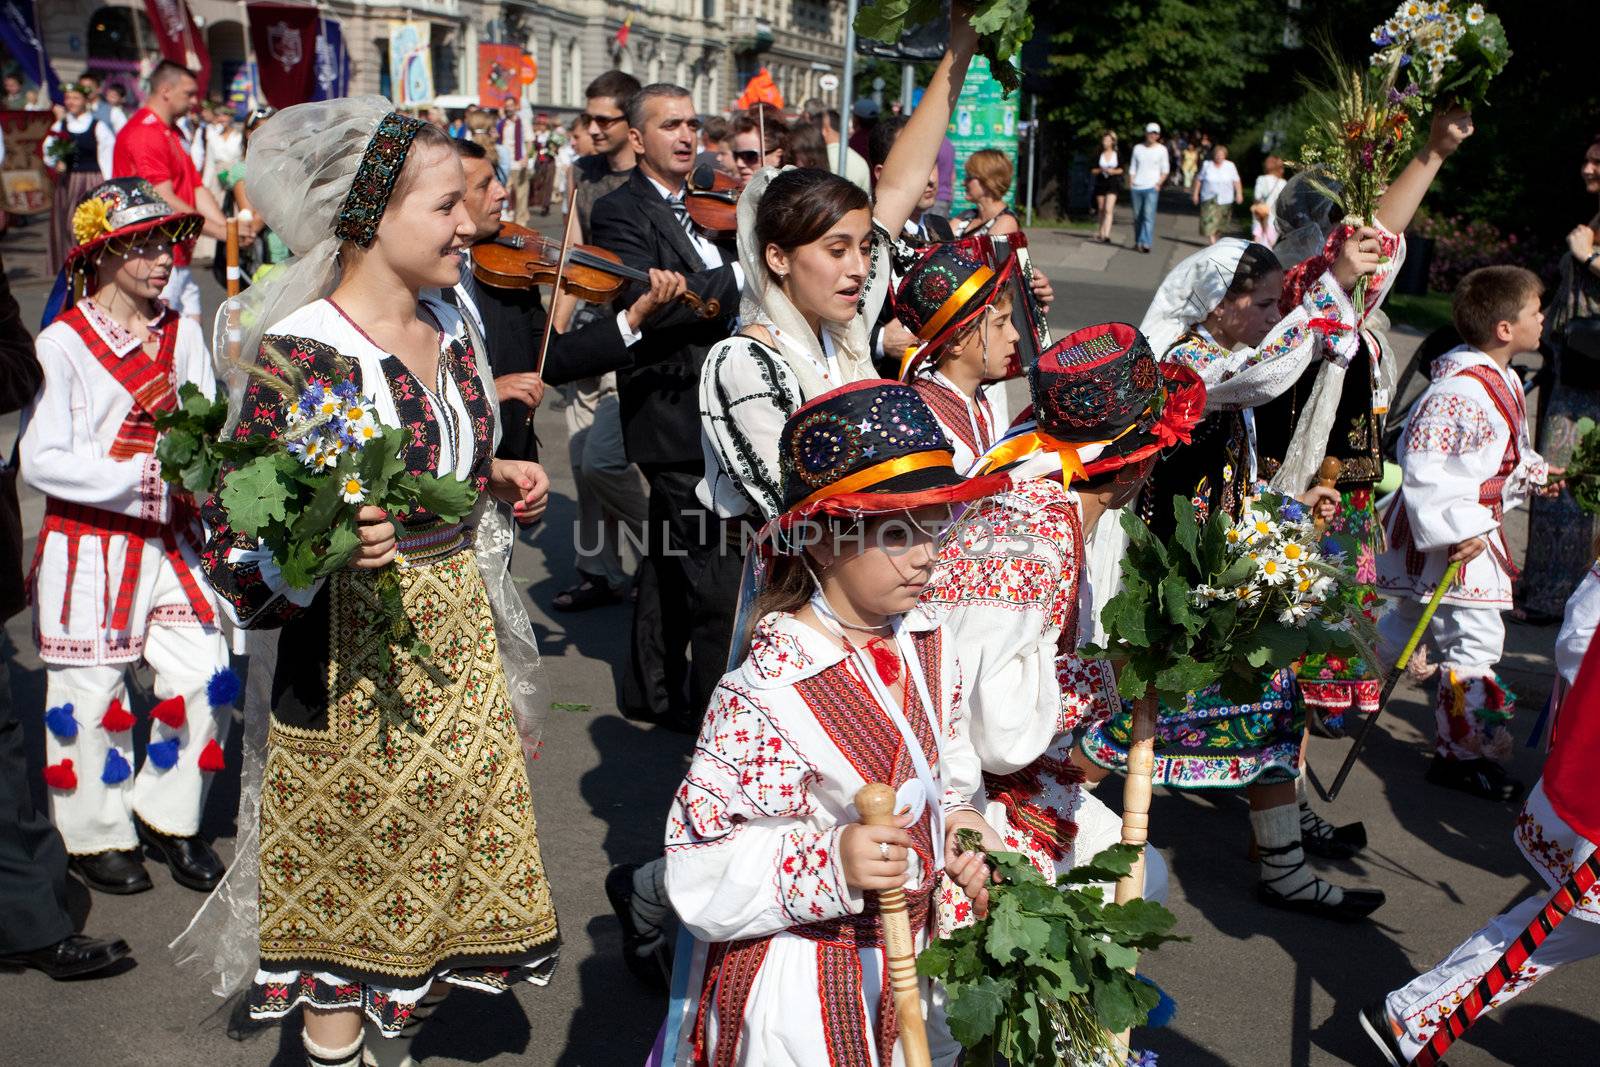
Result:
x=711 y=47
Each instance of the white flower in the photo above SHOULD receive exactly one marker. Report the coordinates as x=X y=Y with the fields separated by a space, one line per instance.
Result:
x=365 y=432
x=1294 y=613
x=1208 y=594
x=1272 y=570
x=354 y=490
x=1295 y=553
x=1474 y=14
x=1247 y=595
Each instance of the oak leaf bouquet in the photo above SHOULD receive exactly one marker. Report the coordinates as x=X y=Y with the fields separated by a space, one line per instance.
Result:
x=299 y=492
x=1002 y=26
x=1046 y=977
x=1229 y=603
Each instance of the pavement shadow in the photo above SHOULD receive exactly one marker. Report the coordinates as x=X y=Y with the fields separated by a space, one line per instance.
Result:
x=617 y=1018
x=630 y=788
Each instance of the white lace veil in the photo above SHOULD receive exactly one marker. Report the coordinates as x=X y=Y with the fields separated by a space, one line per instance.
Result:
x=1191 y=291
x=765 y=304
x=303 y=161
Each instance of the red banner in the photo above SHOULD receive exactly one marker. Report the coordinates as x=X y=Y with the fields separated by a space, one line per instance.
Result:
x=498 y=67
x=179 y=39
x=284 y=37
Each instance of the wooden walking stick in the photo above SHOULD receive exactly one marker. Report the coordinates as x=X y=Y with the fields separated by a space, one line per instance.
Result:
x=1446 y=580
x=1136 y=789
x=875 y=801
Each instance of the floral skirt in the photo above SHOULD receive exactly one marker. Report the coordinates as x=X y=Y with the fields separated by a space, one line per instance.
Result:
x=389 y=861
x=1331 y=686
x=1210 y=743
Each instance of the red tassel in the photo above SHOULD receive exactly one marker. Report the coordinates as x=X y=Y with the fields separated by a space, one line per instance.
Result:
x=885 y=660
x=171 y=711
x=117 y=718
x=61 y=775
x=211 y=757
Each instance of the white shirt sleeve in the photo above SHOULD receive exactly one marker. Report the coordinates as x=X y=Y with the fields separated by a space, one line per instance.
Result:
x=105 y=143
x=1578 y=625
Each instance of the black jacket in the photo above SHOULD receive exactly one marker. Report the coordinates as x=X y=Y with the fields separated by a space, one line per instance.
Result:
x=20 y=379
x=660 y=412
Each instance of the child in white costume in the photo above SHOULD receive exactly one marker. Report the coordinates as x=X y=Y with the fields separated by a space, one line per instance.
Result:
x=1467 y=460
x=847 y=682
x=115 y=575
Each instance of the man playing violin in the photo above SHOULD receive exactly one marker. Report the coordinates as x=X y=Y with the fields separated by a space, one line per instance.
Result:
x=688 y=585
x=509 y=322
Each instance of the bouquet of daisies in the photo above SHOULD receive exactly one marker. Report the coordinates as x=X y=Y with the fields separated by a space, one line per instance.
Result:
x=299 y=493
x=1229 y=603
x=1442 y=49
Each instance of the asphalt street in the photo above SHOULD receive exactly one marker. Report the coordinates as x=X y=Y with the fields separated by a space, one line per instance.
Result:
x=1254 y=987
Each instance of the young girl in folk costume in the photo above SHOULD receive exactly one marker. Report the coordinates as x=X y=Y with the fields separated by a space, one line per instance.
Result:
x=1557 y=830
x=1217 y=313
x=815 y=257
x=78 y=152
x=846 y=682
x=1467 y=459
x=956 y=299
x=1338 y=407
x=116 y=577
x=1011 y=580
x=392 y=863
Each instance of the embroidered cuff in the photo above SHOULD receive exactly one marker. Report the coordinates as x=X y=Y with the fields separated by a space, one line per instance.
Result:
x=155 y=502
x=1088 y=692
x=1333 y=315
x=810 y=882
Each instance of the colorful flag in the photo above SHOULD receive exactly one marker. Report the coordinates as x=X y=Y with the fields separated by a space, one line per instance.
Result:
x=333 y=62
x=284 y=37
x=760 y=89
x=623 y=31
x=19 y=34
x=498 y=84
x=179 y=39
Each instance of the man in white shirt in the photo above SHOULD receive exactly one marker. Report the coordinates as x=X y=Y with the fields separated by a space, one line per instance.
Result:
x=1147 y=173
x=1217 y=190
x=826 y=119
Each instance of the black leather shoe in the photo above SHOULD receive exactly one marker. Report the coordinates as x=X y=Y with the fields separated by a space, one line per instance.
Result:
x=647 y=953
x=1356 y=904
x=1375 y=1021
x=120 y=872
x=193 y=862
x=1334 y=842
x=72 y=957
x=1481 y=777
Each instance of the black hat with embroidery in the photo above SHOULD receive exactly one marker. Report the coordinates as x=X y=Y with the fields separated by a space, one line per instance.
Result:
x=868 y=448
x=946 y=288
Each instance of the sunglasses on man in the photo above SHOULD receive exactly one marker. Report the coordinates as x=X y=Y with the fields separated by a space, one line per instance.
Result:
x=605 y=122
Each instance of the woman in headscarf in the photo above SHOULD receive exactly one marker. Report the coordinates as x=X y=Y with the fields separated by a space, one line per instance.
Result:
x=392 y=862
x=1217 y=313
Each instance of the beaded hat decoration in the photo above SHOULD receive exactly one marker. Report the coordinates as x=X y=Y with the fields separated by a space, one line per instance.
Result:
x=1102 y=386
x=946 y=288
x=125 y=208
x=867 y=448
x=381 y=163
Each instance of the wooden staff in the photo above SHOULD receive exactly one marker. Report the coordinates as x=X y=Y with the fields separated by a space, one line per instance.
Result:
x=875 y=801
x=1136 y=789
x=234 y=337
x=1327 y=478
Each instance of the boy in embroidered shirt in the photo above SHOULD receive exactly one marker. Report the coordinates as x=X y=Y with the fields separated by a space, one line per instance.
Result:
x=115 y=575
x=1467 y=459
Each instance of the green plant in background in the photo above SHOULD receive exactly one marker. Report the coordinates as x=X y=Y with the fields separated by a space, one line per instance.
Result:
x=1583 y=469
x=1002 y=26
x=1046 y=977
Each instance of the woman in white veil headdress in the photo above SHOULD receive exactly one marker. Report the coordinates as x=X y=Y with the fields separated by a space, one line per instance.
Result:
x=377 y=865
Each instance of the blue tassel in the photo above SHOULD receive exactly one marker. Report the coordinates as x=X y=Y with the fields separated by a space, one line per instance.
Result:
x=61 y=722
x=117 y=769
x=163 y=754
x=1166 y=1008
x=223 y=688
x=58 y=300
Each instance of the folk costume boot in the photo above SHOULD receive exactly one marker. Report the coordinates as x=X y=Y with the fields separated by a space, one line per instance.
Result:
x=1320 y=837
x=1286 y=884
x=318 y=1056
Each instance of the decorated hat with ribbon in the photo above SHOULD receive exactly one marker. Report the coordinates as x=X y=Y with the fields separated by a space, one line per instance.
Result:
x=946 y=288
x=1100 y=394
x=867 y=448
x=122 y=209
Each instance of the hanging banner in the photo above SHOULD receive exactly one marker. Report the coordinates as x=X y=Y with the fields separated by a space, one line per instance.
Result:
x=180 y=39
x=19 y=34
x=333 y=62
x=983 y=118
x=284 y=37
x=242 y=91
x=410 y=66
x=498 y=84
x=23 y=178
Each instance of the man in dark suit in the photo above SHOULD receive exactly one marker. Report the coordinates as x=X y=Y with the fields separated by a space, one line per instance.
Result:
x=35 y=928
x=688 y=581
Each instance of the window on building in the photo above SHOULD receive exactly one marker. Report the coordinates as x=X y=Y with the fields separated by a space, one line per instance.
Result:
x=115 y=34
x=442 y=56
x=385 y=77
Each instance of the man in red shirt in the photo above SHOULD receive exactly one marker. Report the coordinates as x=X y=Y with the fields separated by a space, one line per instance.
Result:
x=151 y=148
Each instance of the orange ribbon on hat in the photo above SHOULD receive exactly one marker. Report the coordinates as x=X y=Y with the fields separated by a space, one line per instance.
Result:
x=1024 y=445
x=880 y=472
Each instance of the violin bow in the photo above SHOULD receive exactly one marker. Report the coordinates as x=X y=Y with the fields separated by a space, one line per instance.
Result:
x=555 y=289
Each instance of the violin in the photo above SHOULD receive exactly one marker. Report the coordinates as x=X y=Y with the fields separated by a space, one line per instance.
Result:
x=712 y=199
x=520 y=258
